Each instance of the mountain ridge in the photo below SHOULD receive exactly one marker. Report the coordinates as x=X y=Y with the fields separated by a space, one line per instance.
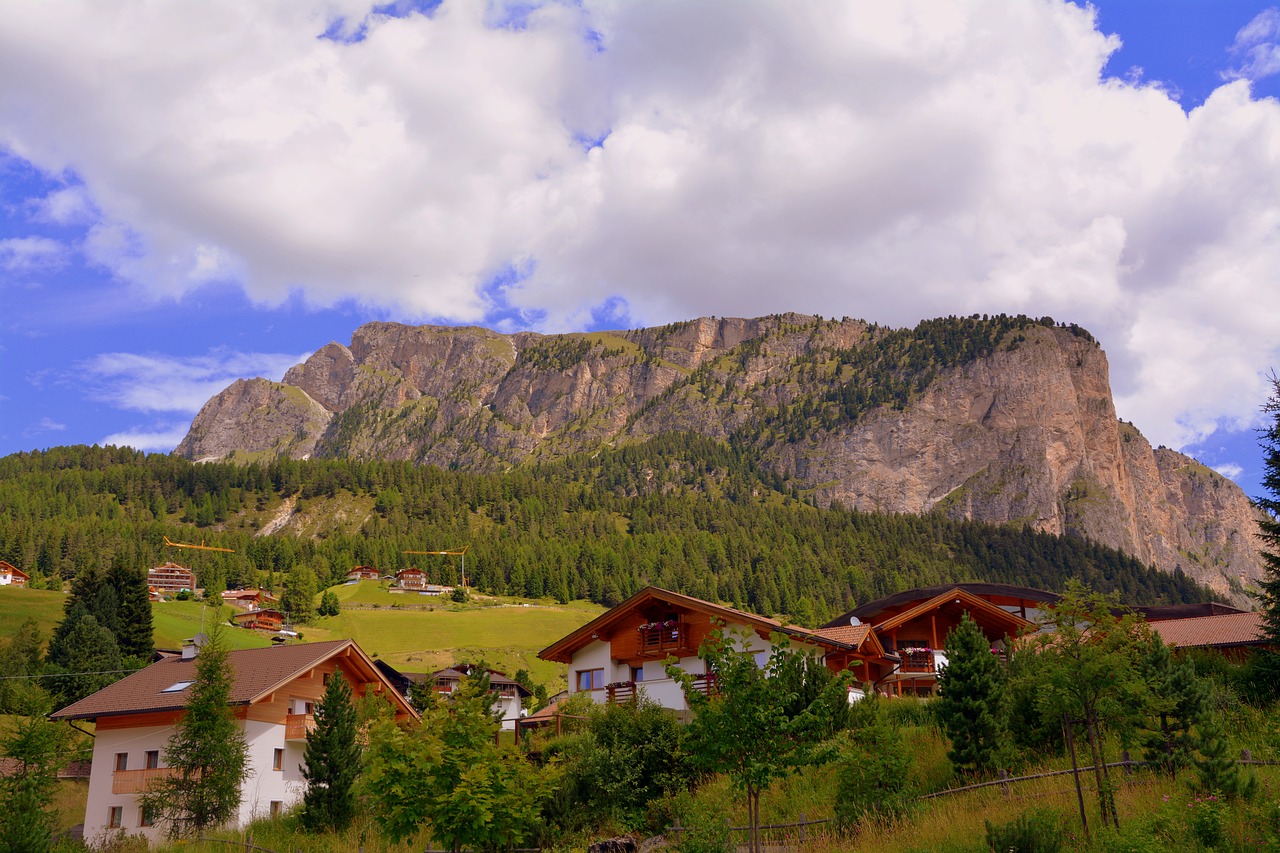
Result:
x=998 y=419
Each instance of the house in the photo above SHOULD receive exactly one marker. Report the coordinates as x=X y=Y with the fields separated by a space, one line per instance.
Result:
x=415 y=579
x=623 y=651
x=248 y=599
x=11 y=575
x=363 y=573
x=273 y=693
x=912 y=628
x=171 y=578
x=509 y=694
x=266 y=619
x=1236 y=634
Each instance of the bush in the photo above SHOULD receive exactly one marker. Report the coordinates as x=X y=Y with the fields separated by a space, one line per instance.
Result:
x=1034 y=831
x=872 y=776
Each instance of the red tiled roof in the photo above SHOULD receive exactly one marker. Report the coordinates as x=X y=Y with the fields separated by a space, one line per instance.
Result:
x=1228 y=629
x=256 y=672
x=851 y=634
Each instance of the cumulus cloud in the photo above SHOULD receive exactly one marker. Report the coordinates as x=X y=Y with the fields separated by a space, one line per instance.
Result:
x=667 y=159
x=159 y=383
x=31 y=254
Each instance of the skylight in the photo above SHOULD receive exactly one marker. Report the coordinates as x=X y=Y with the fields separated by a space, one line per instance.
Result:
x=178 y=688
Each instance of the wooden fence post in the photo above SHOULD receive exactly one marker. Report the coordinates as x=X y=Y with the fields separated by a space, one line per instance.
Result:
x=803 y=825
x=1004 y=783
x=1128 y=762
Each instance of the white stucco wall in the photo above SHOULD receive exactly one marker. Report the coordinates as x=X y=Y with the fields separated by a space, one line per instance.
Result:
x=263 y=786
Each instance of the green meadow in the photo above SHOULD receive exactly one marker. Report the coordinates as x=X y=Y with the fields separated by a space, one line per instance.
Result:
x=18 y=604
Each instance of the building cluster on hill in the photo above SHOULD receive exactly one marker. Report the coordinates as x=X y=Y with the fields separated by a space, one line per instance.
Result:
x=896 y=646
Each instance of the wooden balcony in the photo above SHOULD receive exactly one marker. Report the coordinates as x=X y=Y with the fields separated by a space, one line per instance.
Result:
x=298 y=726
x=137 y=781
x=707 y=685
x=623 y=691
x=657 y=641
x=917 y=662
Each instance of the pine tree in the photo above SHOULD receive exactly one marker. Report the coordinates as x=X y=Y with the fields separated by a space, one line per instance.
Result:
x=134 y=633
x=1217 y=772
x=1269 y=527
x=207 y=752
x=299 y=594
x=1178 y=701
x=971 y=704
x=37 y=749
x=332 y=761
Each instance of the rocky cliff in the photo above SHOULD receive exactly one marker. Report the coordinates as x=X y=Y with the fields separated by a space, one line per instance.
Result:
x=1001 y=419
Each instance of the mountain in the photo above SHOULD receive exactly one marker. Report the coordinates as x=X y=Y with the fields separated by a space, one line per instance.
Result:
x=997 y=419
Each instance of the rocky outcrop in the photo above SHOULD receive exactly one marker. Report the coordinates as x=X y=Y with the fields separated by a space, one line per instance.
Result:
x=1020 y=429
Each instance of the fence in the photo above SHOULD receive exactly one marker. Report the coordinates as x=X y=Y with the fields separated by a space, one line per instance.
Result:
x=773 y=836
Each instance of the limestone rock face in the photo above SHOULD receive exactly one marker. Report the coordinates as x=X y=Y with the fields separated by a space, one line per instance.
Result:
x=1022 y=429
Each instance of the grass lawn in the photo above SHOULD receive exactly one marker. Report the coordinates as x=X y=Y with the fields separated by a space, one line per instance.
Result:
x=175 y=621
x=18 y=604
x=508 y=636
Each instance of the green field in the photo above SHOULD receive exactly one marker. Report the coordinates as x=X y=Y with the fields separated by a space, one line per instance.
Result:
x=508 y=635
x=18 y=604
x=414 y=632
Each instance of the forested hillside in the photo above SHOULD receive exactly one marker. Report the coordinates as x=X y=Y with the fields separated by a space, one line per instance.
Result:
x=681 y=511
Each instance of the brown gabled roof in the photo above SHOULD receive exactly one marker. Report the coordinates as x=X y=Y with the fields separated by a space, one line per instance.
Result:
x=9 y=568
x=255 y=674
x=1228 y=629
x=969 y=601
x=562 y=650
x=873 y=611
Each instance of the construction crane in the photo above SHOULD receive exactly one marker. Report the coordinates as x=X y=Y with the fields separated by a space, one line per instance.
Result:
x=200 y=547
x=453 y=552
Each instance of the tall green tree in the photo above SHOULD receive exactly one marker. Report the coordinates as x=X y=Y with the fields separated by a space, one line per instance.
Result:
x=90 y=661
x=1087 y=669
x=37 y=749
x=449 y=774
x=1178 y=700
x=743 y=728
x=972 y=700
x=1269 y=534
x=207 y=752
x=134 y=632
x=332 y=761
x=20 y=655
x=299 y=595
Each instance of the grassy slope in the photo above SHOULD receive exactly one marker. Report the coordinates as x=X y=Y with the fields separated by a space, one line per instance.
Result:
x=416 y=632
x=421 y=634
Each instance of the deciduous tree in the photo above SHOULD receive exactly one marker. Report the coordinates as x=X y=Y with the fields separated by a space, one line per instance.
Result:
x=37 y=749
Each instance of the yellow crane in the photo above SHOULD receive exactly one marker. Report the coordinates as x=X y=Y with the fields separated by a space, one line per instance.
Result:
x=452 y=552
x=200 y=547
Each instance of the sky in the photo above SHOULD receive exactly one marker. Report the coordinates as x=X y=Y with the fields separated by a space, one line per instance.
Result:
x=192 y=193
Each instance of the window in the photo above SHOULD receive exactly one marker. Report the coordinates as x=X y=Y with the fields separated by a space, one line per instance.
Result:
x=122 y=761
x=153 y=759
x=177 y=687
x=637 y=673
x=148 y=817
x=276 y=807
x=115 y=817
x=324 y=679
x=590 y=679
x=277 y=760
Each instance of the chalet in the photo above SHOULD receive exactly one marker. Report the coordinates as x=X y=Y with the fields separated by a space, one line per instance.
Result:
x=265 y=619
x=509 y=694
x=623 y=651
x=414 y=579
x=363 y=573
x=912 y=628
x=273 y=693
x=171 y=578
x=11 y=575
x=248 y=599
x=1236 y=635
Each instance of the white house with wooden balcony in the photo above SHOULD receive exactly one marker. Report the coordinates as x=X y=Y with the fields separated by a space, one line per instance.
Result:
x=274 y=692
x=623 y=652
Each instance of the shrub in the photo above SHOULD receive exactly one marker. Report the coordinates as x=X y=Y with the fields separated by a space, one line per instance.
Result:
x=872 y=776
x=1034 y=831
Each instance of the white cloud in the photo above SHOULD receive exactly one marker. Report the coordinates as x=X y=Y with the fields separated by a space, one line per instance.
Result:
x=1258 y=45
x=31 y=254
x=46 y=424
x=65 y=206
x=1230 y=470
x=160 y=438
x=892 y=161
x=160 y=383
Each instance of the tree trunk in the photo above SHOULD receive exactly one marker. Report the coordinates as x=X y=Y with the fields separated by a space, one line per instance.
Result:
x=1092 y=734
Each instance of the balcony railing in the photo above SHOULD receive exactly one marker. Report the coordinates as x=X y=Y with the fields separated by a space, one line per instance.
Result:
x=917 y=662
x=137 y=781
x=659 y=640
x=298 y=726
x=707 y=684
x=621 y=691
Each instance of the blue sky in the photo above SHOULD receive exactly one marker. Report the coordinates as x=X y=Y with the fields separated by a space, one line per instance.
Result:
x=192 y=195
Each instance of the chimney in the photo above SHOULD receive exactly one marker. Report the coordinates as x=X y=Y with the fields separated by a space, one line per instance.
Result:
x=191 y=647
